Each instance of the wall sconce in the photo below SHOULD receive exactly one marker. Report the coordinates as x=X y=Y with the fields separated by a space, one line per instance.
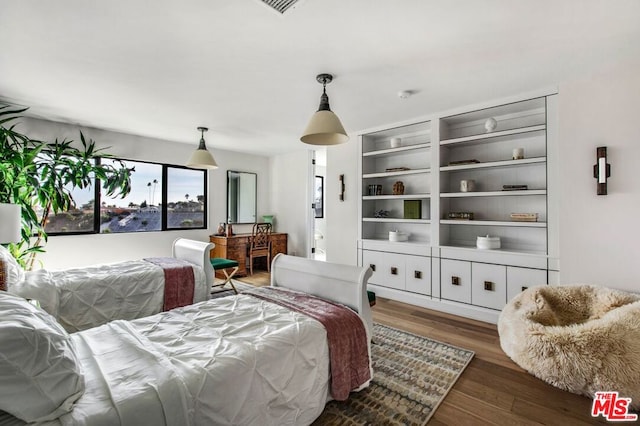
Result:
x=341 y=182
x=602 y=170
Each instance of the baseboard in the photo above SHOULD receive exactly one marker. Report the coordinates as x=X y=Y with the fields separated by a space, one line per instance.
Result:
x=455 y=308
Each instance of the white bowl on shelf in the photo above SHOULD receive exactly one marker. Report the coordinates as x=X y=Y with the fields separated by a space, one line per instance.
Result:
x=397 y=236
x=488 y=243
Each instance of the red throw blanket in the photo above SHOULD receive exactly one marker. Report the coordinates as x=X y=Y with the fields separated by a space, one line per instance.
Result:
x=178 y=281
x=348 y=354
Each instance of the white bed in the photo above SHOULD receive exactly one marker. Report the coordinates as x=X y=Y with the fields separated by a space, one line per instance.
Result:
x=233 y=360
x=82 y=298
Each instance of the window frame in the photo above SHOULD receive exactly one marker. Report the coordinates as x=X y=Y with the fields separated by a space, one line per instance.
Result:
x=97 y=192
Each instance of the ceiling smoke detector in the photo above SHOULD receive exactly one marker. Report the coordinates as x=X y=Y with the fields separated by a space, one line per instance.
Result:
x=281 y=6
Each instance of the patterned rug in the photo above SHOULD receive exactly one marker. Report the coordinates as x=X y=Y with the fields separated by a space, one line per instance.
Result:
x=412 y=375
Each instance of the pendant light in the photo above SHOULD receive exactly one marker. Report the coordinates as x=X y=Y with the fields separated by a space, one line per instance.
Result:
x=202 y=158
x=325 y=127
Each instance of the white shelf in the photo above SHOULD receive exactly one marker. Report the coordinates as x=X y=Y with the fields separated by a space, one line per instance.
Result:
x=503 y=163
x=484 y=136
x=494 y=223
x=401 y=149
x=394 y=220
x=494 y=193
x=497 y=251
x=397 y=197
x=396 y=173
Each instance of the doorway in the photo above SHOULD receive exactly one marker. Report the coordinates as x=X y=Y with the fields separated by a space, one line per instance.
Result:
x=319 y=197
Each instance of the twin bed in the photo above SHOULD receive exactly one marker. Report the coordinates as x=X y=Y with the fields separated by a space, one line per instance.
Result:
x=244 y=360
x=82 y=298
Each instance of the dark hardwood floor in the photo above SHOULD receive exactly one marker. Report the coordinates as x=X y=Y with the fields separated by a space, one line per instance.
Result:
x=492 y=390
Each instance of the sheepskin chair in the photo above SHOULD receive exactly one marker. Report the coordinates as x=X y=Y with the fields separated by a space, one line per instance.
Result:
x=582 y=339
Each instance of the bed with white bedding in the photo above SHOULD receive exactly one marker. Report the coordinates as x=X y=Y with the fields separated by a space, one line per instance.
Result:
x=236 y=360
x=82 y=298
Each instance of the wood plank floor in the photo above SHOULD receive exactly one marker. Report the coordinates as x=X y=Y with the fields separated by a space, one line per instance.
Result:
x=493 y=390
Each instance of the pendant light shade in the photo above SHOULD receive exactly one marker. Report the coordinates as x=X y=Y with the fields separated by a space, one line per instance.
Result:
x=202 y=158
x=325 y=127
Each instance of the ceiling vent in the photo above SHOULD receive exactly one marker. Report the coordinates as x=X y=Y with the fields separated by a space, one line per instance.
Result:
x=281 y=6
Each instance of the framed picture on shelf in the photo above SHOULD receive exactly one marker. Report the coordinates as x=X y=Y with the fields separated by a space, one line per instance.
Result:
x=318 y=199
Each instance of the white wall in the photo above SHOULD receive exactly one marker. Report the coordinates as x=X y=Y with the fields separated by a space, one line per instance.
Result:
x=291 y=198
x=342 y=216
x=600 y=235
x=68 y=251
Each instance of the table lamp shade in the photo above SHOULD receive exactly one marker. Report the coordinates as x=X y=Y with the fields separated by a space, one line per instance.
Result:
x=10 y=223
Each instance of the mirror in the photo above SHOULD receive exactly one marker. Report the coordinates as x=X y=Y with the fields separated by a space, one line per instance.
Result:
x=241 y=197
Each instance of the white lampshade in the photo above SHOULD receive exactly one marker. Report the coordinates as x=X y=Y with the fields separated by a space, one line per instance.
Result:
x=324 y=128
x=202 y=158
x=10 y=223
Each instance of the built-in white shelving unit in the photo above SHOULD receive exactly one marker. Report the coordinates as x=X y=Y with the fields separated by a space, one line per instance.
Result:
x=500 y=151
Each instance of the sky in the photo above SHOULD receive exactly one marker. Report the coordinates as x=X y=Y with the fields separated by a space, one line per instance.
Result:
x=181 y=182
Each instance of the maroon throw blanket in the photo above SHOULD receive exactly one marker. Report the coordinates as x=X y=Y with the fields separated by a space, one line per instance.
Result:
x=178 y=281
x=348 y=354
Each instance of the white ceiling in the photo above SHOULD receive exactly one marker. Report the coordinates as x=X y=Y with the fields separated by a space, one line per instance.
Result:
x=161 y=68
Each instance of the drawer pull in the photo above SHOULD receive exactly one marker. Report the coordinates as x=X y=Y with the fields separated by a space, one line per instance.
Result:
x=372 y=266
x=524 y=288
x=394 y=270
x=488 y=285
x=417 y=275
x=455 y=280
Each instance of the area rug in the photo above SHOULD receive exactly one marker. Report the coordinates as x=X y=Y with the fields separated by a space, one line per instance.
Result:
x=412 y=375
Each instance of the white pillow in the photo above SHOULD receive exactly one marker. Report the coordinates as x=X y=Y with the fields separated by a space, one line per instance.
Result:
x=40 y=376
x=15 y=273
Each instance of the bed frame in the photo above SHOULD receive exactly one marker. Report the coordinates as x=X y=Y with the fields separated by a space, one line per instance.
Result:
x=196 y=252
x=345 y=284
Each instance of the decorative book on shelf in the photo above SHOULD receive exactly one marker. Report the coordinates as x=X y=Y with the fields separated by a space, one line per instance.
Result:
x=412 y=209
x=397 y=169
x=462 y=162
x=524 y=217
x=514 y=187
x=460 y=215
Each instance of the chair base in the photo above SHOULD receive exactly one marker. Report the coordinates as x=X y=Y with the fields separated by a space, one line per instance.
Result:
x=223 y=265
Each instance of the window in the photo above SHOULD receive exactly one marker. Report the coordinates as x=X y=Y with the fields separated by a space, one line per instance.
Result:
x=163 y=197
x=140 y=210
x=185 y=198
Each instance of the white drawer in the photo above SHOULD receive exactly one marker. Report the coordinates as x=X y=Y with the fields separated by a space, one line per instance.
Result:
x=388 y=268
x=518 y=279
x=488 y=285
x=418 y=274
x=455 y=280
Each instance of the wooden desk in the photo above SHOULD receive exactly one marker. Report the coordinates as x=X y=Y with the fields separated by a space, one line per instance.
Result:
x=235 y=248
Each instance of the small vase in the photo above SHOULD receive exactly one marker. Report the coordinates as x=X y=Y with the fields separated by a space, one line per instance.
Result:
x=490 y=125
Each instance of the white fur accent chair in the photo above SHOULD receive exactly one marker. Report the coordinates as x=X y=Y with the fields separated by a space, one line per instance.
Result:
x=582 y=339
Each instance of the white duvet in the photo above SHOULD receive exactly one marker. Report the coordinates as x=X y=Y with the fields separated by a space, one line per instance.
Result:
x=235 y=360
x=82 y=298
